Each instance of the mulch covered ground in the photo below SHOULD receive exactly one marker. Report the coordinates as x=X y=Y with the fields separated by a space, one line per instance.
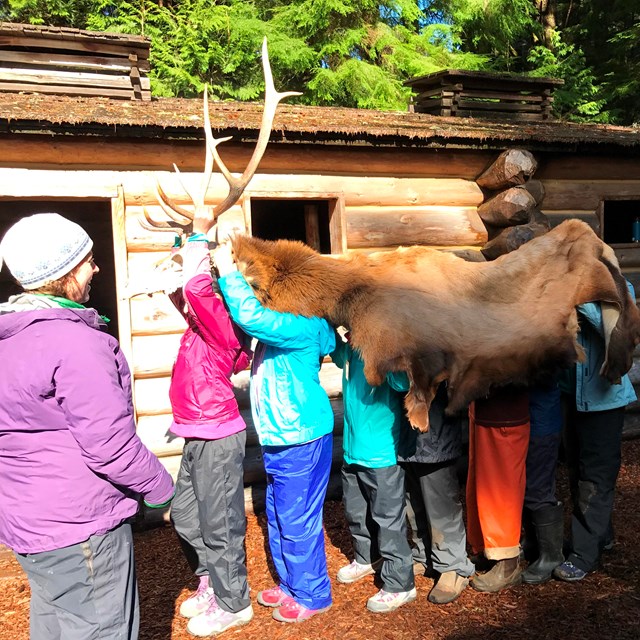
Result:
x=605 y=605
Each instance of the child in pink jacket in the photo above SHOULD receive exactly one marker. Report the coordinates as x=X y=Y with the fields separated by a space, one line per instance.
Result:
x=208 y=510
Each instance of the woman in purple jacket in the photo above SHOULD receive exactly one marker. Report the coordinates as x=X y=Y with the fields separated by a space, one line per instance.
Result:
x=208 y=510
x=71 y=464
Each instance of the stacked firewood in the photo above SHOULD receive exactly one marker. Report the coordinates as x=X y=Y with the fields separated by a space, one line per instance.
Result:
x=511 y=210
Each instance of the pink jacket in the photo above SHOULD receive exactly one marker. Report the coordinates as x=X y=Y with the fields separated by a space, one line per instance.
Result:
x=211 y=350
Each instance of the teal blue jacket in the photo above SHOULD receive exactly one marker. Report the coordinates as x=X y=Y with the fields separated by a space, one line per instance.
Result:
x=593 y=392
x=373 y=416
x=288 y=404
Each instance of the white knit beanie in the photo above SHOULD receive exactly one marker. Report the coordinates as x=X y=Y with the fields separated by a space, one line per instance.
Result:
x=42 y=248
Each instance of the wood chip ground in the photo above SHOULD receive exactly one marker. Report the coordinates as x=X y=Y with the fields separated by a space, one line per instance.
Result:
x=604 y=606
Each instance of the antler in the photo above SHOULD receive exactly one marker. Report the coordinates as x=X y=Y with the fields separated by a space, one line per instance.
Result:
x=181 y=218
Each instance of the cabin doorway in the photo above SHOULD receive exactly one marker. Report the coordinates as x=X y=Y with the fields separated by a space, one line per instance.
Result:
x=316 y=222
x=92 y=215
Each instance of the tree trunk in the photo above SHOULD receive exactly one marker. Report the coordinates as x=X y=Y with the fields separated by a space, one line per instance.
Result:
x=547 y=12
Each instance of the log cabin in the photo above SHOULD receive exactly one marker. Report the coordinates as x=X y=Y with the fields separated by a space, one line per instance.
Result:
x=342 y=180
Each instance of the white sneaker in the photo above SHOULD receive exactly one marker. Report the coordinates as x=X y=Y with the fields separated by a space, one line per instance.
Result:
x=383 y=601
x=216 y=620
x=355 y=571
x=200 y=601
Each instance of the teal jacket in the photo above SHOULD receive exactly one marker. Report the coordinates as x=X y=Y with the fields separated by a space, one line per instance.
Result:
x=373 y=416
x=287 y=402
x=593 y=392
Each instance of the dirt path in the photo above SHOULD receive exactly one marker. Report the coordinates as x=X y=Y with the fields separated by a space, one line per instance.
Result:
x=604 y=606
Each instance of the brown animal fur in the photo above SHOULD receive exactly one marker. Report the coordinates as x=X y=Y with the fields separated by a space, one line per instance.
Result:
x=438 y=317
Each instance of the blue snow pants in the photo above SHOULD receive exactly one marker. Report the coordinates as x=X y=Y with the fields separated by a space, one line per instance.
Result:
x=297 y=479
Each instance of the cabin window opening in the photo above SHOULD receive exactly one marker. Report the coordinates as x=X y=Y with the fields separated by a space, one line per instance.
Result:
x=94 y=216
x=312 y=221
x=621 y=221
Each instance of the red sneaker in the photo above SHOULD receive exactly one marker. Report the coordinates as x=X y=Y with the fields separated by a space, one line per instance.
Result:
x=291 y=611
x=273 y=597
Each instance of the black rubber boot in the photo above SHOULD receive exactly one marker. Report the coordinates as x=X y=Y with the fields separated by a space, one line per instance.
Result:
x=548 y=523
x=528 y=540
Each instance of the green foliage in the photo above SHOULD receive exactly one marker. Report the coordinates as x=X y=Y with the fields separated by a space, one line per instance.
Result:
x=579 y=99
x=358 y=53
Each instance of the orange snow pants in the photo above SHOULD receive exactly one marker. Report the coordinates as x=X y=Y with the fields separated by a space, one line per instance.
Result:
x=498 y=443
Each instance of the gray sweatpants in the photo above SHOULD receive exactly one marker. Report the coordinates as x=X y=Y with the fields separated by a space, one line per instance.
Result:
x=208 y=514
x=434 y=511
x=87 y=591
x=375 y=511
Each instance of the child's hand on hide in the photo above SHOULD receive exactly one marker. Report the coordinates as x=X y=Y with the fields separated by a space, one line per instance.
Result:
x=223 y=259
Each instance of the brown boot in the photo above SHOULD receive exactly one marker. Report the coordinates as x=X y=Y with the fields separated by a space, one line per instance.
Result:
x=449 y=586
x=505 y=573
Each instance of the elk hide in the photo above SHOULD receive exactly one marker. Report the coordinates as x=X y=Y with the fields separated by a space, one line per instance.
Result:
x=438 y=317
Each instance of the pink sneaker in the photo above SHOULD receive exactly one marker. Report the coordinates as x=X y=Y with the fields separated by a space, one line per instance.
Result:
x=273 y=597
x=291 y=611
x=200 y=601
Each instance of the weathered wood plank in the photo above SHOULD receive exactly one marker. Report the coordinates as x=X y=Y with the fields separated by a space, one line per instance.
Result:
x=357 y=191
x=95 y=47
x=391 y=226
x=557 y=217
x=572 y=166
x=155 y=315
x=34 y=183
x=72 y=78
x=120 y=264
x=586 y=194
x=66 y=89
x=76 y=62
x=189 y=156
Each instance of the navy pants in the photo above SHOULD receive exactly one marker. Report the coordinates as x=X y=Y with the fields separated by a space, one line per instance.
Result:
x=545 y=414
x=87 y=591
x=297 y=480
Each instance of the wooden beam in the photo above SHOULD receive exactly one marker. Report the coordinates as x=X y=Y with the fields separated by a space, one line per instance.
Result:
x=52 y=77
x=120 y=263
x=393 y=226
x=587 y=194
x=87 y=46
x=99 y=153
x=77 y=62
x=356 y=190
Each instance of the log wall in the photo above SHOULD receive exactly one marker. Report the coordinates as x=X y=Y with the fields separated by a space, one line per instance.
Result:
x=389 y=197
x=428 y=198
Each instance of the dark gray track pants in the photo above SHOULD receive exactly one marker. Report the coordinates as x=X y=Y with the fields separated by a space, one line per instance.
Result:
x=87 y=591
x=434 y=511
x=375 y=511
x=208 y=514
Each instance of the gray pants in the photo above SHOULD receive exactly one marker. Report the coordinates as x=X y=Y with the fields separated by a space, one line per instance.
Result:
x=208 y=514
x=435 y=517
x=375 y=511
x=87 y=591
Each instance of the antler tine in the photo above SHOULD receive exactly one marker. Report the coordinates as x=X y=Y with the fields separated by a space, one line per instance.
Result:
x=183 y=217
x=211 y=143
x=272 y=99
x=156 y=225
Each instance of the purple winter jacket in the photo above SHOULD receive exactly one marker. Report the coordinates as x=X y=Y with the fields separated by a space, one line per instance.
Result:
x=71 y=464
